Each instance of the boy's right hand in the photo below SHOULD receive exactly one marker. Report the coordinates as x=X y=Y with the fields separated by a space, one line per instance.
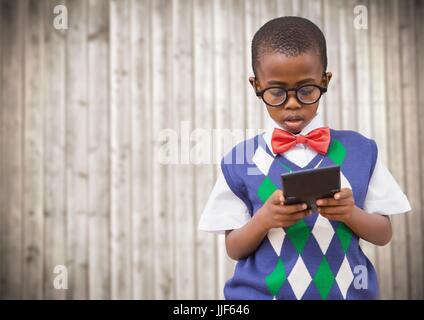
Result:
x=274 y=214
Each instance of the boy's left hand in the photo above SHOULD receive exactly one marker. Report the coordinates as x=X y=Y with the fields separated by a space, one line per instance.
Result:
x=339 y=208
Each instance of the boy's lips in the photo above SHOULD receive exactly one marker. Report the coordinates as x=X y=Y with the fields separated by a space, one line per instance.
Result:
x=293 y=117
x=293 y=122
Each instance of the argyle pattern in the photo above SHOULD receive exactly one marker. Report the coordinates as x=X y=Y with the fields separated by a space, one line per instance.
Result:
x=312 y=259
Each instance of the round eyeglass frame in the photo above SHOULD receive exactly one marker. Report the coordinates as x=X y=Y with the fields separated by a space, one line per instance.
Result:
x=262 y=92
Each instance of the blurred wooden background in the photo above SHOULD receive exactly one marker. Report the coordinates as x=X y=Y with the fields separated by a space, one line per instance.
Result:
x=81 y=109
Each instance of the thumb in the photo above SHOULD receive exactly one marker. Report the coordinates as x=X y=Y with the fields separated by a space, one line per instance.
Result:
x=278 y=197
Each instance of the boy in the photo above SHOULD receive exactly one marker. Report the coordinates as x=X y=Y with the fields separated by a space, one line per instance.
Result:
x=287 y=251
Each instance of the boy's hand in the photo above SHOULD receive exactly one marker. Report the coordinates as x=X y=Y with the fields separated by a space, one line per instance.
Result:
x=339 y=208
x=274 y=214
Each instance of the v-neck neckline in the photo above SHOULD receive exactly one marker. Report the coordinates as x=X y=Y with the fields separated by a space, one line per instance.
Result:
x=316 y=160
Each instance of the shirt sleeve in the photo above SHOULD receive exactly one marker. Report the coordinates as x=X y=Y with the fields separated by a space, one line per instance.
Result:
x=224 y=210
x=384 y=195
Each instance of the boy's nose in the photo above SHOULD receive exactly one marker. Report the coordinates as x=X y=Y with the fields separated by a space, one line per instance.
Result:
x=292 y=102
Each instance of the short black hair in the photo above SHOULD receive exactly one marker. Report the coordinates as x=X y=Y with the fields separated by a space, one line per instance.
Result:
x=290 y=36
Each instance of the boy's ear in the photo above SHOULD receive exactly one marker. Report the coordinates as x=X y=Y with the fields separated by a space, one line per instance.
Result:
x=252 y=81
x=327 y=78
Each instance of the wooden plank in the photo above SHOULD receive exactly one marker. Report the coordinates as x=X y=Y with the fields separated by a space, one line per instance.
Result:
x=396 y=157
x=33 y=152
x=2 y=185
x=267 y=10
x=419 y=48
x=378 y=77
x=163 y=276
x=411 y=145
x=205 y=175
x=98 y=145
x=284 y=8
x=312 y=10
x=183 y=173
x=331 y=30
x=347 y=68
x=221 y=113
x=142 y=193
x=363 y=86
x=11 y=147
x=363 y=77
x=221 y=73
x=54 y=92
x=254 y=108
x=77 y=150
x=379 y=124
x=237 y=82
x=297 y=7
x=120 y=152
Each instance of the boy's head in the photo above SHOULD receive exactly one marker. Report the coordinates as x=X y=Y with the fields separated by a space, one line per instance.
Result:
x=290 y=52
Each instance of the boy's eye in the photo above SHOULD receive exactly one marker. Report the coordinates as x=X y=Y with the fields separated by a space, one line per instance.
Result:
x=277 y=92
x=274 y=96
x=306 y=91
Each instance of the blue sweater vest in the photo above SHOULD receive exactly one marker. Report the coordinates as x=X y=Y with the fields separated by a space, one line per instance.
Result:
x=316 y=258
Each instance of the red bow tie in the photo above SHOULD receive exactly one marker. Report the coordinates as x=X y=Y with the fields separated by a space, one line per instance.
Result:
x=318 y=139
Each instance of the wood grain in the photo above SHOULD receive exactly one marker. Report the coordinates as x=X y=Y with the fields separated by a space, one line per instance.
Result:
x=84 y=114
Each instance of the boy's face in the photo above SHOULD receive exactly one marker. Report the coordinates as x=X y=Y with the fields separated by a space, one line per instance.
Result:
x=276 y=69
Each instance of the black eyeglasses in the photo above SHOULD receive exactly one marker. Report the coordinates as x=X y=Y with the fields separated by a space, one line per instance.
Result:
x=306 y=94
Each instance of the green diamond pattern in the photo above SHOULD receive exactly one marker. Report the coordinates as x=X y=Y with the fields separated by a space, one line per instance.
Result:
x=345 y=235
x=336 y=152
x=266 y=188
x=276 y=278
x=324 y=278
x=298 y=235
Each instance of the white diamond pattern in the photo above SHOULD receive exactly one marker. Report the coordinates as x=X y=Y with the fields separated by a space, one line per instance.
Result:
x=299 y=278
x=344 y=277
x=323 y=232
x=276 y=237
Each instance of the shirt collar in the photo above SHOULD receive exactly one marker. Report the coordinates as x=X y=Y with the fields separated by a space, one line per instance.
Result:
x=270 y=125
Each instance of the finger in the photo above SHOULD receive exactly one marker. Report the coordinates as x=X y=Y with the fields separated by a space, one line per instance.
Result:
x=333 y=210
x=289 y=209
x=332 y=202
x=282 y=199
x=276 y=196
x=344 y=193
x=327 y=202
x=298 y=215
x=293 y=208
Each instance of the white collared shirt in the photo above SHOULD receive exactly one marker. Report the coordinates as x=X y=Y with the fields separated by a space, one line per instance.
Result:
x=225 y=211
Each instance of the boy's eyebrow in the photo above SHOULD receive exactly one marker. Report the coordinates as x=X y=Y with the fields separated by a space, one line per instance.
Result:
x=276 y=82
